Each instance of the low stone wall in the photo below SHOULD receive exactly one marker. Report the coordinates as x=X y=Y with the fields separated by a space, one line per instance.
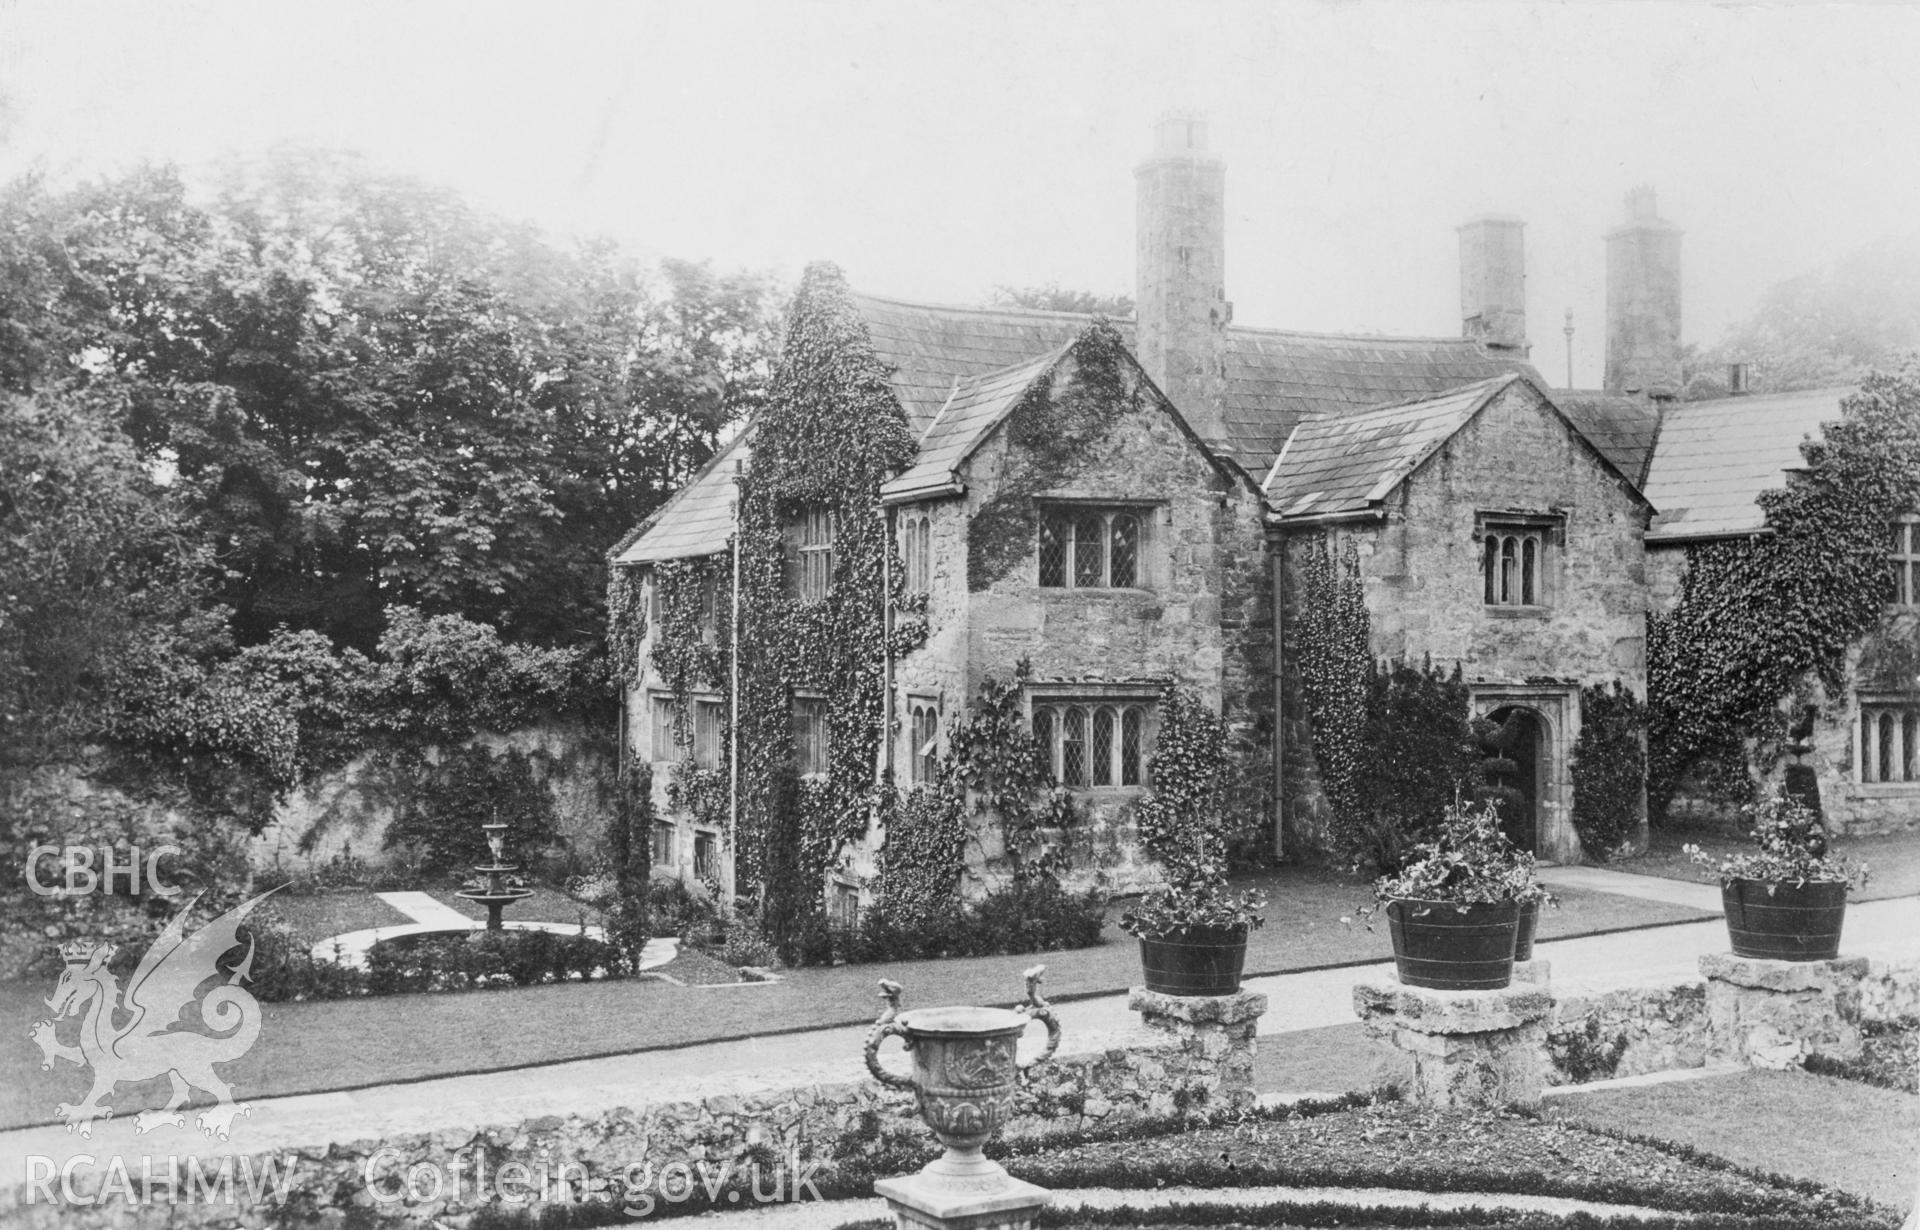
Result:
x=1626 y=1032
x=765 y=1139
x=1660 y=1027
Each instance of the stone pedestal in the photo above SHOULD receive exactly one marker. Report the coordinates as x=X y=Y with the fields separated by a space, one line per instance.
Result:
x=929 y=1202
x=1216 y=1034
x=1773 y=1014
x=1469 y=1048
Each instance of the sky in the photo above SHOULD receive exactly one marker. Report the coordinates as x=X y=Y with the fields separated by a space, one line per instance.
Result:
x=936 y=151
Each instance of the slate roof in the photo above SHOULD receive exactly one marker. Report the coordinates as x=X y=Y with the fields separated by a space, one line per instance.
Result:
x=973 y=408
x=1715 y=456
x=698 y=520
x=1351 y=462
x=933 y=348
x=1623 y=426
x=1275 y=378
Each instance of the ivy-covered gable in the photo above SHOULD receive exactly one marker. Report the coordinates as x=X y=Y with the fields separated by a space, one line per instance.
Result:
x=1061 y=431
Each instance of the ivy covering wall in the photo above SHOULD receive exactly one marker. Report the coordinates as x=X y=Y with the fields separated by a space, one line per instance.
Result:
x=1333 y=631
x=832 y=432
x=1609 y=768
x=1054 y=425
x=1392 y=742
x=1758 y=616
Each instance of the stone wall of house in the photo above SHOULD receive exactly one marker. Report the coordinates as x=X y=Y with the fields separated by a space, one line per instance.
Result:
x=1203 y=617
x=1883 y=666
x=1421 y=569
x=617 y=1156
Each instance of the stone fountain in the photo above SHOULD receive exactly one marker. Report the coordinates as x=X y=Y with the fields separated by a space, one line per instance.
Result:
x=497 y=895
x=964 y=1076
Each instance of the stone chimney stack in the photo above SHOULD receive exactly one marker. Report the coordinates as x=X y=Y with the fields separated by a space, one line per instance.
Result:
x=1180 y=291
x=1643 y=301
x=1493 y=284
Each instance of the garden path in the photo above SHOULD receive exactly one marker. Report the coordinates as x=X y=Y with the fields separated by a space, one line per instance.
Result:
x=351 y=947
x=1626 y=884
x=1311 y=999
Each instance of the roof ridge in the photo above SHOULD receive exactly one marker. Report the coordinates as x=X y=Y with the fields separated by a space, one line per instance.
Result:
x=1838 y=390
x=1276 y=331
x=1267 y=330
x=1419 y=399
x=987 y=310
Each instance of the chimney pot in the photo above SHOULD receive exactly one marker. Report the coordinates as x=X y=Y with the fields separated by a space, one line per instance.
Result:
x=1737 y=380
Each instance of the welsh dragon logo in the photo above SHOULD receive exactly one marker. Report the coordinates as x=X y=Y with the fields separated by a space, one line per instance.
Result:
x=139 y=1035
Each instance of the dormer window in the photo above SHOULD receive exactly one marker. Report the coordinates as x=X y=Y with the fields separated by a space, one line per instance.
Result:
x=1084 y=547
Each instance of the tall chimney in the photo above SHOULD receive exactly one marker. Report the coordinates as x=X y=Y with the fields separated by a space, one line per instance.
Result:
x=1180 y=291
x=1493 y=284
x=1643 y=301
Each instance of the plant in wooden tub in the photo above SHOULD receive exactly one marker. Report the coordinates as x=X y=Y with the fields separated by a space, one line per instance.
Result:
x=1453 y=910
x=1193 y=932
x=1786 y=900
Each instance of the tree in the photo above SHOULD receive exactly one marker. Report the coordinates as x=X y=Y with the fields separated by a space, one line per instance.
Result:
x=1823 y=329
x=321 y=459
x=95 y=560
x=374 y=395
x=1052 y=297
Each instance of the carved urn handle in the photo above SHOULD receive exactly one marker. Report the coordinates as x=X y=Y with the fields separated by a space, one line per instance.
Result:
x=882 y=1028
x=1038 y=1009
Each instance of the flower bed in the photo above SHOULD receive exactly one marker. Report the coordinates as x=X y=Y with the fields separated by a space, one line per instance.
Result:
x=1350 y=1146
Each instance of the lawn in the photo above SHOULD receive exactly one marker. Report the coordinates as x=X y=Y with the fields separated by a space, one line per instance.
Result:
x=333 y=911
x=1843 y=1133
x=1893 y=859
x=309 y=1047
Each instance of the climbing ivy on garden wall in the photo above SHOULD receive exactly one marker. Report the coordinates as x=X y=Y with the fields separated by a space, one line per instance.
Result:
x=1758 y=616
x=831 y=433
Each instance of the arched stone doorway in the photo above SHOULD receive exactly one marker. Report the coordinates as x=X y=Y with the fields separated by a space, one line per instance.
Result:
x=1540 y=723
x=1513 y=756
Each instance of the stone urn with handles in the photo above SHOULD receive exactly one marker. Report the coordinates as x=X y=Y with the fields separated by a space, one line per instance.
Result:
x=965 y=1072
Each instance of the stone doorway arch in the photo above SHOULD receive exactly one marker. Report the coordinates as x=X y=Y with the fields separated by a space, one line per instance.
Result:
x=1514 y=760
x=1544 y=720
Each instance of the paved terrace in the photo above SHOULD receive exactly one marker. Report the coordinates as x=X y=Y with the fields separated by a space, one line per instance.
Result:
x=1310 y=1000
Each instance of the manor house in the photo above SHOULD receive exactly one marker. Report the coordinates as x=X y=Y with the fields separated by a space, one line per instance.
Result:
x=1518 y=532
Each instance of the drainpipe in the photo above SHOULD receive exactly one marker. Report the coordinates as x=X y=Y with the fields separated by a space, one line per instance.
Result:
x=1278 y=554
x=733 y=710
x=884 y=760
